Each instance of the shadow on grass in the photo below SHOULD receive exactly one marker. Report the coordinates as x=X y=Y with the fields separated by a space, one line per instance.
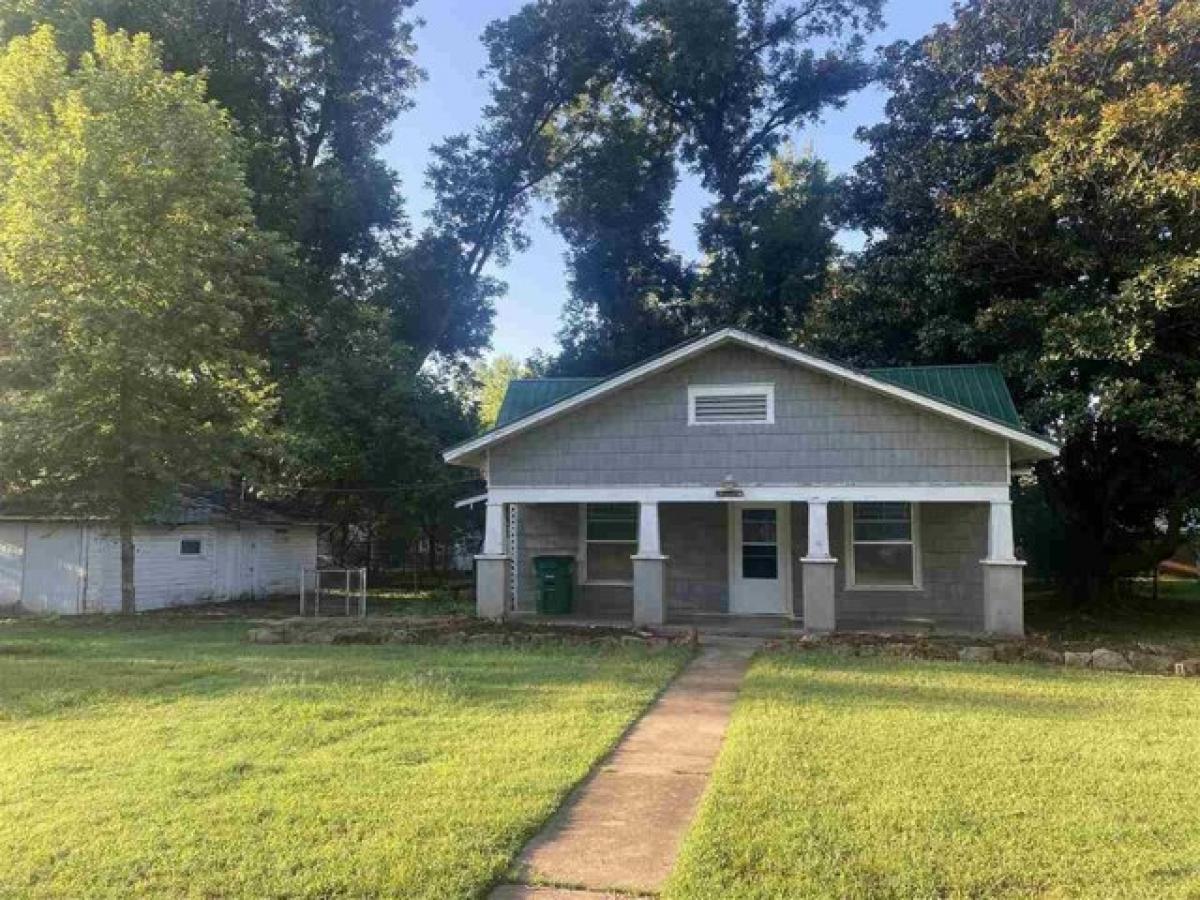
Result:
x=54 y=669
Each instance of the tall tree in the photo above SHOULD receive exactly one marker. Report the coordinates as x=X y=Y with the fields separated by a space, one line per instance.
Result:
x=1026 y=198
x=718 y=85
x=547 y=64
x=770 y=261
x=630 y=294
x=1092 y=245
x=312 y=85
x=132 y=279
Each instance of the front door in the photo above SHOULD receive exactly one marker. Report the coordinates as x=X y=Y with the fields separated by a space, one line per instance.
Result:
x=759 y=559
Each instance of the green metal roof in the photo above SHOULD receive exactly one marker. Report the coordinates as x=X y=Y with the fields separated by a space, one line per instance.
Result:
x=526 y=395
x=977 y=388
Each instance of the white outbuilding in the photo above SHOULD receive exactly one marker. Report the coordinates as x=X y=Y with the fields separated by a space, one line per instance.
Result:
x=202 y=551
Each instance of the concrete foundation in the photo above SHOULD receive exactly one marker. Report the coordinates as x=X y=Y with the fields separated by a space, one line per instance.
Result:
x=491 y=586
x=649 y=596
x=1003 y=597
x=817 y=584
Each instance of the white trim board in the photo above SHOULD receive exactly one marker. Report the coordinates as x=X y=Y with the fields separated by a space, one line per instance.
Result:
x=463 y=452
x=915 y=493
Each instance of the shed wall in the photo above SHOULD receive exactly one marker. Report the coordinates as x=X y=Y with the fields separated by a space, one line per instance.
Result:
x=76 y=567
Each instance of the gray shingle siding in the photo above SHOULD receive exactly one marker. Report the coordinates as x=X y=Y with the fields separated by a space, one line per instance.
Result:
x=953 y=539
x=552 y=529
x=826 y=432
x=695 y=540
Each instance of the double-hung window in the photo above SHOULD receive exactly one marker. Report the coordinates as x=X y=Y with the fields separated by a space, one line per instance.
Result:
x=610 y=541
x=882 y=546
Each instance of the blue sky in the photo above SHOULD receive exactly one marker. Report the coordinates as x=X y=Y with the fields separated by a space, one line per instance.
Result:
x=449 y=102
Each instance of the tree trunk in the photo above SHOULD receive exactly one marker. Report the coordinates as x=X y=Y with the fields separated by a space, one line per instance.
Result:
x=128 y=598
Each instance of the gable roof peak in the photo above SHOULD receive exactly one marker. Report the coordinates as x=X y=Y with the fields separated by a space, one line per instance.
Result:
x=918 y=385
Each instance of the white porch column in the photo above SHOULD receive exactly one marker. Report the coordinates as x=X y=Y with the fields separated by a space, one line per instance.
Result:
x=493 y=530
x=817 y=571
x=649 y=569
x=1003 y=592
x=491 y=566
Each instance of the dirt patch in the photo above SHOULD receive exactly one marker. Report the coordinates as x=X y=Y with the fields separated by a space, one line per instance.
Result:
x=450 y=630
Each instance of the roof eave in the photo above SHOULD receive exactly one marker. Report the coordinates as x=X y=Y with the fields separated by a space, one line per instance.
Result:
x=464 y=453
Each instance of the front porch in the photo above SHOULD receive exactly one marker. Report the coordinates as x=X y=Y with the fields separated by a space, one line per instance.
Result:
x=762 y=562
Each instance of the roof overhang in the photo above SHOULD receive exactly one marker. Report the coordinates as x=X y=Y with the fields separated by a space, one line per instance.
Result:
x=467 y=453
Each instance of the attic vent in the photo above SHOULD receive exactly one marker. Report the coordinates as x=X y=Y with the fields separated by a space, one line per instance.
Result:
x=731 y=404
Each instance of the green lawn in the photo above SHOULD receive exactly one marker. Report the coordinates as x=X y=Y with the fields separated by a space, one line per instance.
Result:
x=885 y=778
x=168 y=757
x=1172 y=619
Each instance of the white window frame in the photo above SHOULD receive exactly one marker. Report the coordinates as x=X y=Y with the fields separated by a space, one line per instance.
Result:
x=725 y=390
x=583 y=549
x=914 y=511
x=189 y=537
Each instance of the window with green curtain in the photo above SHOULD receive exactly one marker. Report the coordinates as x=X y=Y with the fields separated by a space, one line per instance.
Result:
x=611 y=537
x=612 y=522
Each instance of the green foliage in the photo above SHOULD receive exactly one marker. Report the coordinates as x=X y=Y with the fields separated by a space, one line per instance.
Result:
x=312 y=87
x=1030 y=197
x=547 y=62
x=766 y=268
x=493 y=378
x=717 y=84
x=734 y=75
x=166 y=757
x=630 y=295
x=133 y=279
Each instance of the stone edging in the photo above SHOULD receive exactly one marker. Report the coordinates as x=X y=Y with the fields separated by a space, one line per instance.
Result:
x=1146 y=658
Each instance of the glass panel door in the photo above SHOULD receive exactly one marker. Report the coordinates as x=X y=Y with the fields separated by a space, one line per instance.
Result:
x=760 y=546
x=759 y=571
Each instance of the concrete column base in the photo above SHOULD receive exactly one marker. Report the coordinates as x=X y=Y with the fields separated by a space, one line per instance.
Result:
x=816 y=582
x=1003 y=597
x=491 y=585
x=649 y=594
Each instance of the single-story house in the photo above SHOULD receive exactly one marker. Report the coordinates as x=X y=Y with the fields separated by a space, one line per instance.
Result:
x=738 y=476
x=199 y=551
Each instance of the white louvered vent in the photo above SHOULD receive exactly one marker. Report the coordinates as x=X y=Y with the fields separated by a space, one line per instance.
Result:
x=731 y=404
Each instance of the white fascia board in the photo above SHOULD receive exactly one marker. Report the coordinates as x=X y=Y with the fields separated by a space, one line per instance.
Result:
x=832 y=493
x=887 y=388
x=462 y=453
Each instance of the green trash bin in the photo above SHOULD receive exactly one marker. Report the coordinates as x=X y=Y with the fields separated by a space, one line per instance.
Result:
x=555 y=584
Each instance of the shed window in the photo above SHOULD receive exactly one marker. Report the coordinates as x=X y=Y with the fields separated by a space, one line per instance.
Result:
x=731 y=404
x=191 y=547
x=610 y=540
x=883 y=551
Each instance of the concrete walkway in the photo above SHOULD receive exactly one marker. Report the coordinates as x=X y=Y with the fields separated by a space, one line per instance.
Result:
x=621 y=829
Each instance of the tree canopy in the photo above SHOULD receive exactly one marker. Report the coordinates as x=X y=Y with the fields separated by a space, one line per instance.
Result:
x=1030 y=198
x=133 y=279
